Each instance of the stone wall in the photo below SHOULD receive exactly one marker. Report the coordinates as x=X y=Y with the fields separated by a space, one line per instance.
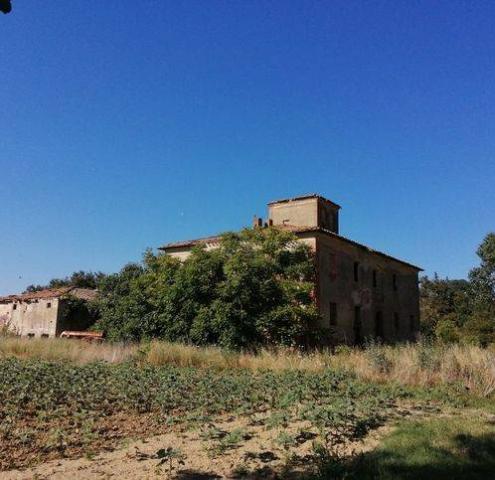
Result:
x=307 y=212
x=35 y=318
x=300 y=213
x=384 y=293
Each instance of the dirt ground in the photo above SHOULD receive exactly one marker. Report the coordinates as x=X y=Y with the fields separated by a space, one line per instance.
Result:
x=256 y=452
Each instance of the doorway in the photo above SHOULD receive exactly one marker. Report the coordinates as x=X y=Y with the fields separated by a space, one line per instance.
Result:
x=379 y=325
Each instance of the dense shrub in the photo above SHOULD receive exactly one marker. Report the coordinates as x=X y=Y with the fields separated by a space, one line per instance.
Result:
x=462 y=310
x=255 y=289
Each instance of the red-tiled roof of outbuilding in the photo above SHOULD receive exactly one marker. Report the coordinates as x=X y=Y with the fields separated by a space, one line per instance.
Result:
x=82 y=293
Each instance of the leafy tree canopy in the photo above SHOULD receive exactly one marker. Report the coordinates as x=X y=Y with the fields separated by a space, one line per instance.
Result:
x=5 y=6
x=462 y=310
x=255 y=289
x=80 y=279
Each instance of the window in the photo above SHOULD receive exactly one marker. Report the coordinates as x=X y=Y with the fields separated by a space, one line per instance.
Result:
x=44 y=335
x=396 y=322
x=333 y=314
x=379 y=325
x=356 y=271
x=30 y=335
x=49 y=305
x=15 y=306
x=358 y=339
x=394 y=282
x=374 y=278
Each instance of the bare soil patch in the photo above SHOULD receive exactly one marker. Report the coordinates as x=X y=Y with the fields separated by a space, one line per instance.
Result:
x=254 y=451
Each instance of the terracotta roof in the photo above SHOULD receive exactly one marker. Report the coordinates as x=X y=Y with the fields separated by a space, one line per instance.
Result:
x=191 y=243
x=295 y=229
x=82 y=293
x=304 y=197
x=356 y=244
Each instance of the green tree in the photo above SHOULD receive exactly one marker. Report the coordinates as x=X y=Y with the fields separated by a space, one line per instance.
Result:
x=483 y=277
x=445 y=307
x=5 y=6
x=480 y=327
x=461 y=310
x=255 y=289
x=80 y=279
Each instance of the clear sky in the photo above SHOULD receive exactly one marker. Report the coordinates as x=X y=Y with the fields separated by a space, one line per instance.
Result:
x=123 y=129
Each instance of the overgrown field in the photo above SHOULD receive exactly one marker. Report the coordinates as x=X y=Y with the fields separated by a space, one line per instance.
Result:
x=54 y=408
x=316 y=408
x=418 y=365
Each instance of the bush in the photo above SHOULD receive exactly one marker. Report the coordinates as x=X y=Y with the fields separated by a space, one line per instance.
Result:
x=255 y=289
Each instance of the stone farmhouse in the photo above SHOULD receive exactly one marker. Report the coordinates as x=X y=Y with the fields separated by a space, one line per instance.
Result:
x=360 y=292
x=45 y=313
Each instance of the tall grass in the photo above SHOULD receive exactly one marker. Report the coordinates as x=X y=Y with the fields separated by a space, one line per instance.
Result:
x=425 y=365
x=411 y=364
x=60 y=349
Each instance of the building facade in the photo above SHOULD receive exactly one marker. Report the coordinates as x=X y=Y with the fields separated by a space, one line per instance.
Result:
x=361 y=293
x=46 y=313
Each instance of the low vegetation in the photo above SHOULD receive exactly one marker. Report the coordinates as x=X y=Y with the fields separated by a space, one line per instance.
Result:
x=417 y=365
x=442 y=448
x=55 y=408
x=63 y=398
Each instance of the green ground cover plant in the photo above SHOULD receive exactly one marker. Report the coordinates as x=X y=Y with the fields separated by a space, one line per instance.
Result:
x=54 y=409
x=445 y=448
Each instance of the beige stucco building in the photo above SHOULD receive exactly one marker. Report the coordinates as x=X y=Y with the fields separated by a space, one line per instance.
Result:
x=360 y=292
x=45 y=313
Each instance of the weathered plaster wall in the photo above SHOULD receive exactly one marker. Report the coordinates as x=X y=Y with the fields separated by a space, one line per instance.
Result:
x=335 y=263
x=183 y=252
x=301 y=213
x=31 y=318
x=310 y=212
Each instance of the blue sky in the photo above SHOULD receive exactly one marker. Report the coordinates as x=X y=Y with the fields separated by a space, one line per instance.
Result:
x=125 y=129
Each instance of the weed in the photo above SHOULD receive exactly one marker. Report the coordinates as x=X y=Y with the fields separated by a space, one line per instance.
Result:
x=172 y=456
x=229 y=441
x=286 y=440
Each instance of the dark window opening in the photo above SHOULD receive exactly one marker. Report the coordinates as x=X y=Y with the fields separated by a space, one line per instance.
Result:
x=44 y=335
x=15 y=306
x=379 y=325
x=356 y=271
x=396 y=322
x=358 y=339
x=30 y=335
x=333 y=314
x=374 y=278
x=49 y=305
x=394 y=282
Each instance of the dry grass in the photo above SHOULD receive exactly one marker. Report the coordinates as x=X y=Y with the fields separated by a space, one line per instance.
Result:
x=425 y=365
x=413 y=364
x=59 y=349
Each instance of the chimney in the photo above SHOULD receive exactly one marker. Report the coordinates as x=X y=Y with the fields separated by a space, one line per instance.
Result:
x=257 y=222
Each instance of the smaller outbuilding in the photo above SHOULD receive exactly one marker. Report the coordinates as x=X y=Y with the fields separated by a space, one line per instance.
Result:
x=46 y=313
